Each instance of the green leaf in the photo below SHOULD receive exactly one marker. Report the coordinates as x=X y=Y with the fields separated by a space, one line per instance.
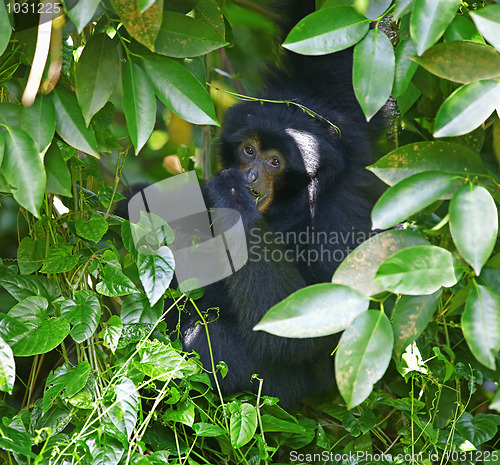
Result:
x=58 y=176
x=70 y=123
x=84 y=313
x=327 y=30
x=466 y=108
x=10 y=114
x=112 y=332
x=21 y=287
x=15 y=439
x=375 y=8
x=114 y=283
x=477 y=429
x=30 y=254
x=139 y=106
x=136 y=309
x=179 y=90
x=317 y=310
x=242 y=423
x=156 y=270
x=487 y=20
x=23 y=170
x=404 y=68
x=461 y=28
x=80 y=13
x=7 y=368
x=358 y=269
x=207 y=430
x=402 y=7
x=418 y=270
x=409 y=196
x=210 y=13
x=124 y=411
x=107 y=451
x=92 y=228
x=276 y=425
x=474 y=224
x=463 y=61
x=59 y=259
x=142 y=27
x=481 y=324
x=39 y=121
x=373 y=72
x=5 y=28
x=145 y=4
x=363 y=355
x=429 y=20
x=411 y=316
x=411 y=159
x=97 y=73
x=184 y=413
x=181 y=36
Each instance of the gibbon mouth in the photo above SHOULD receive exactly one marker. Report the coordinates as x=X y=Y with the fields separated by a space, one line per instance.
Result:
x=255 y=193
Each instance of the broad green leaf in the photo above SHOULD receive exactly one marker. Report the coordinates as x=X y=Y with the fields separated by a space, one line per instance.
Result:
x=363 y=355
x=242 y=423
x=375 y=8
x=58 y=176
x=124 y=411
x=142 y=27
x=207 y=430
x=466 y=108
x=314 y=311
x=181 y=36
x=15 y=439
x=59 y=259
x=23 y=170
x=210 y=13
x=21 y=287
x=184 y=413
x=411 y=316
x=411 y=159
x=358 y=269
x=461 y=28
x=10 y=114
x=111 y=333
x=107 y=450
x=487 y=20
x=145 y=4
x=30 y=254
x=156 y=270
x=39 y=121
x=477 y=429
x=474 y=224
x=373 y=72
x=2 y=147
x=463 y=61
x=5 y=28
x=418 y=270
x=7 y=368
x=276 y=425
x=97 y=73
x=405 y=68
x=70 y=123
x=409 y=196
x=327 y=30
x=179 y=90
x=80 y=12
x=139 y=106
x=136 y=309
x=83 y=312
x=92 y=228
x=402 y=7
x=429 y=20
x=114 y=283
x=481 y=324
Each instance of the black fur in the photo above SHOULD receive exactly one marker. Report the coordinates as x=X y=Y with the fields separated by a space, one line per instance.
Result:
x=345 y=193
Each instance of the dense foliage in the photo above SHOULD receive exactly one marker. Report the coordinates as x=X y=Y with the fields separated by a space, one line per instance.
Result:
x=87 y=368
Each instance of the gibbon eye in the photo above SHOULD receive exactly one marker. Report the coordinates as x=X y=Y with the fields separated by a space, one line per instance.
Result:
x=274 y=162
x=249 y=150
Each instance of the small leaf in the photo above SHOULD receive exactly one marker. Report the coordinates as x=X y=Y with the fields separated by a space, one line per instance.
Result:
x=30 y=254
x=466 y=108
x=487 y=20
x=376 y=8
x=179 y=90
x=7 y=367
x=84 y=313
x=474 y=224
x=22 y=167
x=111 y=333
x=477 y=429
x=327 y=30
x=124 y=411
x=21 y=287
x=243 y=423
x=70 y=123
x=207 y=430
x=92 y=228
x=462 y=28
x=314 y=311
x=156 y=270
x=405 y=68
x=136 y=309
x=181 y=36
x=39 y=121
x=373 y=72
x=42 y=339
x=97 y=73
x=59 y=259
x=5 y=28
x=58 y=176
x=411 y=316
x=363 y=356
x=481 y=324
x=402 y=7
x=81 y=13
x=114 y=283
x=139 y=106
x=429 y=20
x=418 y=270
x=409 y=196
x=358 y=269
x=463 y=61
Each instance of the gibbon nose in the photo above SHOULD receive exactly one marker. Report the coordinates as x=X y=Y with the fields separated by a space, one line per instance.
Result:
x=252 y=176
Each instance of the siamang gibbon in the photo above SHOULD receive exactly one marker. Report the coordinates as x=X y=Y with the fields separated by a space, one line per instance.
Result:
x=305 y=197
